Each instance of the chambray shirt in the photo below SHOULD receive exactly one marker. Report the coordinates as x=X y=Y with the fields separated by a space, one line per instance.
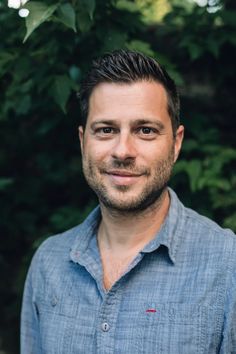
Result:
x=178 y=296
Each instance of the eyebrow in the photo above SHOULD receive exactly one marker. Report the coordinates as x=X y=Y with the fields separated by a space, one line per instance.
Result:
x=103 y=121
x=155 y=122
x=143 y=121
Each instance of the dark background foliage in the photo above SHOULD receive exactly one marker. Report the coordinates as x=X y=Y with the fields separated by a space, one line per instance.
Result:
x=42 y=190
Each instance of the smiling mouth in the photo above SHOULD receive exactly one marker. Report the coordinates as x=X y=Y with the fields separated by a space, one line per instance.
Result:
x=123 y=177
x=123 y=173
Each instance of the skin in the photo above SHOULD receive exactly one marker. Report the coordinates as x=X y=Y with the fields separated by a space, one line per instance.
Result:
x=128 y=151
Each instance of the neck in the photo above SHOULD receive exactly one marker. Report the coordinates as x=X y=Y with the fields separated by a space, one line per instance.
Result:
x=124 y=232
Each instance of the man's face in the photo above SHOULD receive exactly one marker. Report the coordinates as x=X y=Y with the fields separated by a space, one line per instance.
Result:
x=127 y=146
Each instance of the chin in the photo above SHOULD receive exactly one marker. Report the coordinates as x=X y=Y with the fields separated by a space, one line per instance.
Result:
x=127 y=206
x=132 y=202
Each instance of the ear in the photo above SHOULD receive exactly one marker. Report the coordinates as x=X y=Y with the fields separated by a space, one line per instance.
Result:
x=178 y=140
x=81 y=137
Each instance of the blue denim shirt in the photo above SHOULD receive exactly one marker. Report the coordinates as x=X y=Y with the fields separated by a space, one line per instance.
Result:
x=178 y=296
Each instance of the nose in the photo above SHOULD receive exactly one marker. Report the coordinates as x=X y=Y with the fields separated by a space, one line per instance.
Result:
x=124 y=148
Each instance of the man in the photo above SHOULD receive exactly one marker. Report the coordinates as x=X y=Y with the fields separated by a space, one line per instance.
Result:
x=142 y=274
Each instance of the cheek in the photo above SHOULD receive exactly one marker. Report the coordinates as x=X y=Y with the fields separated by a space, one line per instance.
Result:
x=98 y=151
x=94 y=156
x=159 y=156
x=153 y=154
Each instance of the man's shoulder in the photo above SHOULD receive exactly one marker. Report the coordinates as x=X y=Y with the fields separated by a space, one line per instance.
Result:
x=64 y=241
x=208 y=232
x=205 y=242
x=198 y=227
x=60 y=241
x=55 y=248
x=204 y=222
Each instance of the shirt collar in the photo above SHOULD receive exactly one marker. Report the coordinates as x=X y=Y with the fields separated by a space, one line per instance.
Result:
x=169 y=235
x=86 y=231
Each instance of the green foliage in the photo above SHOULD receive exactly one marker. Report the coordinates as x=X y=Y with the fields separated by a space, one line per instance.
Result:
x=5 y=182
x=42 y=190
x=66 y=14
x=38 y=13
x=61 y=88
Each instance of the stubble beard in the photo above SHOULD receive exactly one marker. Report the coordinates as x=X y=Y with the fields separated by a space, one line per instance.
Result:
x=150 y=195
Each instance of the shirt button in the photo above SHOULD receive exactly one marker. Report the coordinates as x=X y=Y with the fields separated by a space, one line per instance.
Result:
x=54 y=301
x=105 y=327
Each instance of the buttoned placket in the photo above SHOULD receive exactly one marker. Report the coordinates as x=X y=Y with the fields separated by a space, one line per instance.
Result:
x=109 y=310
x=107 y=320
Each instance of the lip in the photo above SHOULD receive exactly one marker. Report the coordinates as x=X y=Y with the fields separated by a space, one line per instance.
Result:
x=122 y=173
x=123 y=178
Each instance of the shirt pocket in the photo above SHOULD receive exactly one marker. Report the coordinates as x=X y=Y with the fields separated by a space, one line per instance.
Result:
x=57 y=317
x=57 y=303
x=172 y=329
x=56 y=297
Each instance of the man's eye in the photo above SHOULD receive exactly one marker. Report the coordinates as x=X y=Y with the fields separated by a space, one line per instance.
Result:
x=147 y=133
x=146 y=130
x=106 y=130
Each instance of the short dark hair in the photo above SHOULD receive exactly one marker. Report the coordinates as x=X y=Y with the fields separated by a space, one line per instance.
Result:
x=126 y=66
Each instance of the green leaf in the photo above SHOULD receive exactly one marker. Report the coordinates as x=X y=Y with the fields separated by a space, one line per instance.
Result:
x=230 y=221
x=180 y=166
x=24 y=105
x=85 y=10
x=88 y=6
x=213 y=47
x=66 y=15
x=190 y=145
x=194 y=170
x=195 y=51
x=229 y=17
x=5 y=182
x=114 y=40
x=83 y=21
x=140 y=46
x=38 y=13
x=61 y=89
x=6 y=59
x=221 y=183
x=127 y=5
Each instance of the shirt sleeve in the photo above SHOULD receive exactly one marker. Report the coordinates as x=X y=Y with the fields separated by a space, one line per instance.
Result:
x=228 y=344
x=30 y=342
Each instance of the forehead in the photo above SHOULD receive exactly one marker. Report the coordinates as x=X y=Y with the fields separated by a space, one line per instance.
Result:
x=142 y=99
